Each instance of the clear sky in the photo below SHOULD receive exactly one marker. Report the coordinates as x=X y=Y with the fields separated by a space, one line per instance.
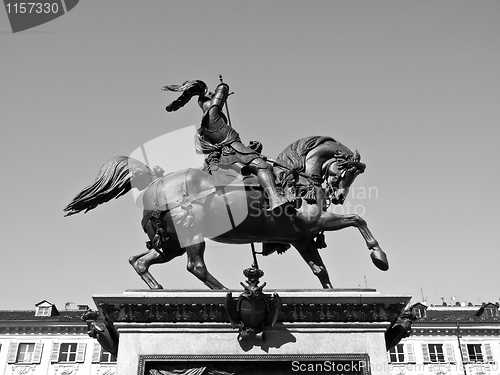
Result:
x=413 y=85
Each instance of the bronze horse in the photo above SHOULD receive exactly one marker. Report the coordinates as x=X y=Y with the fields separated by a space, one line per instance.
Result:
x=183 y=208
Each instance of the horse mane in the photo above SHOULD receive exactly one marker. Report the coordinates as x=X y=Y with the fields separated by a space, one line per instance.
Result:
x=295 y=154
x=113 y=181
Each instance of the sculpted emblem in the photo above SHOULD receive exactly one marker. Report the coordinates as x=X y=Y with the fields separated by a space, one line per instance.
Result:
x=253 y=311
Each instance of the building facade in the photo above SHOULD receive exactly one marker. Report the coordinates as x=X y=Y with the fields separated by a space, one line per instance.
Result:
x=47 y=341
x=450 y=340
x=445 y=340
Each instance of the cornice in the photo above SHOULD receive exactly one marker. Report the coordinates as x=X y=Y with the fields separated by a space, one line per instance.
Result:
x=452 y=331
x=208 y=307
x=42 y=328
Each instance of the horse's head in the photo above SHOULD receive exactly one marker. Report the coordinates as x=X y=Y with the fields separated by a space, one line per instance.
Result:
x=325 y=159
x=339 y=174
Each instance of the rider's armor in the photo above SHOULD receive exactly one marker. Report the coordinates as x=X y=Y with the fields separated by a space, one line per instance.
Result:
x=214 y=123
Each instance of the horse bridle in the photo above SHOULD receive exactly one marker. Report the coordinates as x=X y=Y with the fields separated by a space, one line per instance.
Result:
x=345 y=166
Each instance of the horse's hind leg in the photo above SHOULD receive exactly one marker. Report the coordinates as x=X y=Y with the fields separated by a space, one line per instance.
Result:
x=142 y=262
x=196 y=264
x=309 y=252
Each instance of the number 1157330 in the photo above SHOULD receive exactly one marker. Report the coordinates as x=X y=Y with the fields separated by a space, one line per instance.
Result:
x=32 y=8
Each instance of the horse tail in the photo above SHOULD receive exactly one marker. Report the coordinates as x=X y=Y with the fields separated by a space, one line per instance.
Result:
x=116 y=178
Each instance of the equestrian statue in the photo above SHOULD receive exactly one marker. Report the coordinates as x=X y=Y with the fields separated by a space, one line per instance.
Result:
x=285 y=199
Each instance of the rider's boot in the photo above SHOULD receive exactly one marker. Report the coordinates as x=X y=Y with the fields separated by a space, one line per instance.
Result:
x=266 y=179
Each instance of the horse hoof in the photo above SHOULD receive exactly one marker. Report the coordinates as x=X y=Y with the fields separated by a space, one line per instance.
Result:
x=379 y=259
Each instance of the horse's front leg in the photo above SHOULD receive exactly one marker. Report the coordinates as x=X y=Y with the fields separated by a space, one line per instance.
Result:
x=331 y=222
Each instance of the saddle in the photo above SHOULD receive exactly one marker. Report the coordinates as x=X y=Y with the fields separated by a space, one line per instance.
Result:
x=236 y=174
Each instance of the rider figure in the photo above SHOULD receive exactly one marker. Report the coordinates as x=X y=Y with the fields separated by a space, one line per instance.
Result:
x=218 y=139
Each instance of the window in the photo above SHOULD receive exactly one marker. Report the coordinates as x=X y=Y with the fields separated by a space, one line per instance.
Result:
x=68 y=352
x=488 y=311
x=491 y=312
x=101 y=355
x=24 y=352
x=45 y=308
x=419 y=310
x=402 y=353
x=107 y=357
x=436 y=352
x=397 y=354
x=476 y=352
x=44 y=311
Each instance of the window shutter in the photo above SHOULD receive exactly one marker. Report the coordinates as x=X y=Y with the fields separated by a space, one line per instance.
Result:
x=80 y=352
x=489 y=355
x=425 y=351
x=96 y=355
x=55 y=352
x=11 y=357
x=410 y=355
x=450 y=354
x=37 y=354
x=465 y=353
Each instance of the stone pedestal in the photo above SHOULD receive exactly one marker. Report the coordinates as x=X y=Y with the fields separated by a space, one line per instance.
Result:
x=335 y=331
